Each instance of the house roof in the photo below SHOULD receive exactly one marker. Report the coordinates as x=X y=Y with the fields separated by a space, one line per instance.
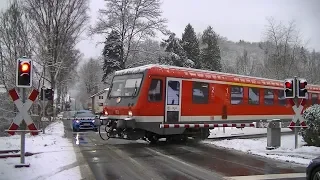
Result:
x=99 y=93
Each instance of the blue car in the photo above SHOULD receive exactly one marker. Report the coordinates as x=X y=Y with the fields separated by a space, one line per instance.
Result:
x=313 y=169
x=83 y=120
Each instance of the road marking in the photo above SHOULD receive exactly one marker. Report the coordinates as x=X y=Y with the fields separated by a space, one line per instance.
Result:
x=191 y=166
x=268 y=176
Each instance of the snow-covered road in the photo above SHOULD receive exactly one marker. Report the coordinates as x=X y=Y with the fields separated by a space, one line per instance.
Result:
x=56 y=156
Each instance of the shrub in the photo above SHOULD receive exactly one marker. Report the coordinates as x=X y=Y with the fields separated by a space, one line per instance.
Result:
x=311 y=135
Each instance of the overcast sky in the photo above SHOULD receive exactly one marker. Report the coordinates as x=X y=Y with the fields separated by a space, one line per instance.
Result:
x=234 y=19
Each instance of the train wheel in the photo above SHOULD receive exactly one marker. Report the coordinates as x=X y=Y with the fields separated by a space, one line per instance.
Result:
x=152 y=138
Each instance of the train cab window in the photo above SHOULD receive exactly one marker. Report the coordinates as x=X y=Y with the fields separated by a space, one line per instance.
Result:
x=268 y=97
x=253 y=96
x=200 y=93
x=236 y=95
x=281 y=99
x=155 y=90
x=314 y=98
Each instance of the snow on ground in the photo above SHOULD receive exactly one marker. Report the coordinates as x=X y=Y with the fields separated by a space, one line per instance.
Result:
x=233 y=131
x=287 y=151
x=56 y=159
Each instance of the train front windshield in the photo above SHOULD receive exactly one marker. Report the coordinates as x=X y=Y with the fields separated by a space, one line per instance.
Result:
x=126 y=85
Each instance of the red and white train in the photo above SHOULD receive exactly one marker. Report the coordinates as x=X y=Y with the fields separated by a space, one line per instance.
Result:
x=156 y=101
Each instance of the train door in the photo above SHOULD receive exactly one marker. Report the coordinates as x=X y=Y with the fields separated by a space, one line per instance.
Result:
x=173 y=100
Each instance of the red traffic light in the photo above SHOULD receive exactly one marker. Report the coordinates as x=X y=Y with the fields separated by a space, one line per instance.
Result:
x=303 y=84
x=288 y=84
x=25 y=67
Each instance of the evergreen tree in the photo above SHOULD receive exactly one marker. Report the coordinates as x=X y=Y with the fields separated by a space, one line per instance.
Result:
x=210 y=54
x=190 y=45
x=112 y=55
x=176 y=55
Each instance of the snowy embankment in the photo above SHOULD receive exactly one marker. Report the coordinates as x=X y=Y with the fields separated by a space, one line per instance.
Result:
x=56 y=158
x=287 y=152
x=232 y=131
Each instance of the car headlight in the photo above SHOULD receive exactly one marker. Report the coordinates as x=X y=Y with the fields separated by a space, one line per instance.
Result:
x=77 y=121
x=106 y=113
x=130 y=113
x=93 y=121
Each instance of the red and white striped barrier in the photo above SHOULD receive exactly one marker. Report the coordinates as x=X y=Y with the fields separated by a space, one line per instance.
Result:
x=23 y=111
x=205 y=125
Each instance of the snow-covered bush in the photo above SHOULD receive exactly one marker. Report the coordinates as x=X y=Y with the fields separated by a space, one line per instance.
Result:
x=311 y=135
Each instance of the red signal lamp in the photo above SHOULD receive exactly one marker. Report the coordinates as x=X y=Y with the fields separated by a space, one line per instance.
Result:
x=288 y=84
x=303 y=84
x=25 y=67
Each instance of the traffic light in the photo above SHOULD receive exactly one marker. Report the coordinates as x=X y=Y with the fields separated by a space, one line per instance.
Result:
x=24 y=73
x=301 y=86
x=290 y=88
x=49 y=94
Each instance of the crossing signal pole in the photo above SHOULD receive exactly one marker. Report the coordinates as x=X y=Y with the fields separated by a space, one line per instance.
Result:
x=295 y=89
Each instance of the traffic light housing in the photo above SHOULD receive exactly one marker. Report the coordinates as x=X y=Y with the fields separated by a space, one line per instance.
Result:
x=24 y=73
x=289 y=88
x=48 y=93
x=302 y=88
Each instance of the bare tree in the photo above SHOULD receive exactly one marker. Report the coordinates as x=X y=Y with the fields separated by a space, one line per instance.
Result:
x=56 y=25
x=282 y=45
x=90 y=75
x=134 y=20
x=15 y=40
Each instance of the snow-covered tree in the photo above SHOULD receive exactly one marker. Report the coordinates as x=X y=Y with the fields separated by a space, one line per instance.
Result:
x=210 y=53
x=112 y=55
x=190 y=44
x=175 y=54
x=145 y=52
x=311 y=134
x=244 y=65
x=134 y=20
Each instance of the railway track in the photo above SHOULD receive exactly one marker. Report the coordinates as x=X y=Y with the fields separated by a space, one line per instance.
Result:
x=249 y=136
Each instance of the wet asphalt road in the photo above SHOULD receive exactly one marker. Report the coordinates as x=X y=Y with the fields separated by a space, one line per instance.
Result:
x=136 y=160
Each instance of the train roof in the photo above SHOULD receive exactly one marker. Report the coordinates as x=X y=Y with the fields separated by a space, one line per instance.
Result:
x=190 y=73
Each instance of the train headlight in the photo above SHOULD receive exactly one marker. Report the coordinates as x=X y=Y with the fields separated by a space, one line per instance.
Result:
x=130 y=113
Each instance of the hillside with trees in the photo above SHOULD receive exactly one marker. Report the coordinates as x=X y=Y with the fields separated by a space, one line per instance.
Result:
x=130 y=42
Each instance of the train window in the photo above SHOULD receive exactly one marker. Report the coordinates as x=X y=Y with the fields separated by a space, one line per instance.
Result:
x=281 y=99
x=254 y=96
x=236 y=94
x=268 y=97
x=314 y=98
x=200 y=94
x=173 y=91
x=155 y=90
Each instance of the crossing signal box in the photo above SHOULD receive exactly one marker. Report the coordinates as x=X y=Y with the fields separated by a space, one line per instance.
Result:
x=302 y=88
x=24 y=73
x=290 y=88
x=46 y=94
x=49 y=94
